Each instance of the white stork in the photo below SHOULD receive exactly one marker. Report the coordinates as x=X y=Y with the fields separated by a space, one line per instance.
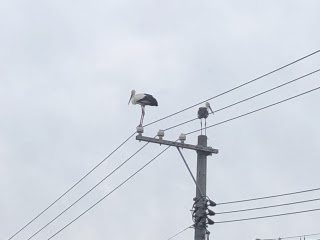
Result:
x=203 y=113
x=143 y=100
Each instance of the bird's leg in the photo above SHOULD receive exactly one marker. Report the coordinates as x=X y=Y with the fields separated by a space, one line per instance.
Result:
x=141 y=118
x=201 y=125
x=140 y=124
x=143 y=112
x=205 y=126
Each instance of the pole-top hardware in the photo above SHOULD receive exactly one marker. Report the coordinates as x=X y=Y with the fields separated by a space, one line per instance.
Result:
x=182 y=137
x=160 y=134
x=140 y=130
x=206 y=150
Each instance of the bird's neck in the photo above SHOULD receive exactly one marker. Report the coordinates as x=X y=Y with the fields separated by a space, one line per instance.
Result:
x=133 y=100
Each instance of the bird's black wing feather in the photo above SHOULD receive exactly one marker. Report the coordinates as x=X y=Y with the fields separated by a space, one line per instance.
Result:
x=148 y=100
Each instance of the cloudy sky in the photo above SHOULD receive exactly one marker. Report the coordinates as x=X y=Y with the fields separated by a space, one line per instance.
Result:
x=66 y=72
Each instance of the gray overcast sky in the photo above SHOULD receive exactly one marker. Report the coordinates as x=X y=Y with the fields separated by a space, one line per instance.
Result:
x=66 y=72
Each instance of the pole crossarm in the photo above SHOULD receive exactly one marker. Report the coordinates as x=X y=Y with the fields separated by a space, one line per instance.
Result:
x=207 y=150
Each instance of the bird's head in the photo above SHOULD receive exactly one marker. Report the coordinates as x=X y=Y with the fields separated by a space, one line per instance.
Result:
x=208 y=106
x=133 y=92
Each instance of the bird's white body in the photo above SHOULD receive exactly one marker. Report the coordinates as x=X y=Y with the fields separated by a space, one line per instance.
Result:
x=137 y=97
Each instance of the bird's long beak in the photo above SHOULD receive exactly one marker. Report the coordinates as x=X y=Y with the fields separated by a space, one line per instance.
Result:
x=130 y=98
x=211 y=109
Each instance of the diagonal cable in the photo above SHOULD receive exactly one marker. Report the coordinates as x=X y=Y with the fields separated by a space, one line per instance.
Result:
x=185 y=229
x=87 y=192
x=232 y=89
x=270 y=206
x=95 y=204
x=249 y=98
x=269 y=216
x=74 y=185
x=271 y=196
x=194 y=180
x=257 y=110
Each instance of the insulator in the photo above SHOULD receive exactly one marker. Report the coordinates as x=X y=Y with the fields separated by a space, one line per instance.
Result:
x=182 y=137
x=210 y=222
x=160 y=134
x=211 y=203
x=140 y=130
x=211 y=213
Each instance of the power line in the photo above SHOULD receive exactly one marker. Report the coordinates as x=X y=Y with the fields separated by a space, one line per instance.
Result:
x=95 y=204
x=88 y=192
x=232 y=89
x=270 y=206
x=180 y=232
x=259 y=109
x=305 y=235
x=61 y=196
x=268 y=216
x=271 y=196
x=249 y=98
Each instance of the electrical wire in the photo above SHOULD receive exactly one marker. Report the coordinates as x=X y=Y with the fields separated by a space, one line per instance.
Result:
x=268 y=216
x=257 y=110
x=246 y=99
x=271 y=196
x=270 y=206
x=96 y=203
x=305 y=235
x=180 y=232
x=232 y=89
x=74 y=185
x=65 y=210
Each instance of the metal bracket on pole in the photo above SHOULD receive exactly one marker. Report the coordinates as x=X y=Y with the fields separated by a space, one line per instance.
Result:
x=185 y=162
x=207 y=150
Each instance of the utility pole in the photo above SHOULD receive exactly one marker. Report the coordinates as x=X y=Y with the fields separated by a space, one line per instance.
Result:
x=200 y=231
x=201 y=200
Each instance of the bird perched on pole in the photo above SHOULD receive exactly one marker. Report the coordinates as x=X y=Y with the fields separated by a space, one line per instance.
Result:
x=143 y=100
x=203 y=113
